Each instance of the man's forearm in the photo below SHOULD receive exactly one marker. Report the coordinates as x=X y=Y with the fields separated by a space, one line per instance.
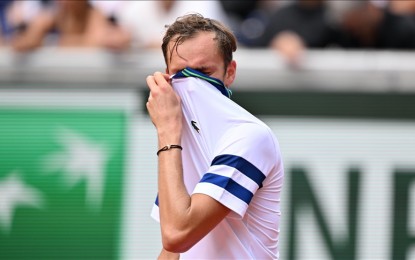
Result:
x=174 y=201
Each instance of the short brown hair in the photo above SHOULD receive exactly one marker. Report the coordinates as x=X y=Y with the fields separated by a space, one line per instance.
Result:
x=187 y=26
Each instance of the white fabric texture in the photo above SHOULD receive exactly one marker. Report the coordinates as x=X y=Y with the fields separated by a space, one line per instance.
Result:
x=233 y=157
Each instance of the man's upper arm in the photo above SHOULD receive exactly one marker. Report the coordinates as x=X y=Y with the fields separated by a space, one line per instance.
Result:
x=204 y=215
x=209 y=211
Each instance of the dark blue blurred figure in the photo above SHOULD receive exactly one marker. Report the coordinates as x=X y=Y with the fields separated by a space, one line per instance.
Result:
x=15 y=16
x=6 y=29
x=306 y=18
x=297 y=26
x=248 y=18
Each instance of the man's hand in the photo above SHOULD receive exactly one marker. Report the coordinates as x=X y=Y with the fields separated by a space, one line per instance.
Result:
x=164 y=108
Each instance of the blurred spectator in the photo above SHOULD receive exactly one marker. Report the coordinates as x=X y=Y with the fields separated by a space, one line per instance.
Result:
x=404 y=8
x=75 y=24
x=294 y=27
x=146 y=19
x=5 y=28
x=239 y=10
x=349 y=24
x=248 y=18
x=110 y=8
x=365 y=24
x=20 y=13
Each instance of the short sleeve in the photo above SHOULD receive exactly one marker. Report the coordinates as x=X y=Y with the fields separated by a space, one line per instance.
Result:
x=244 y=157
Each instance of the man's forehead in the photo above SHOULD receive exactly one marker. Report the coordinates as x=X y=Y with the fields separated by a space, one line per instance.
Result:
x=203 y=37
x=199 y=45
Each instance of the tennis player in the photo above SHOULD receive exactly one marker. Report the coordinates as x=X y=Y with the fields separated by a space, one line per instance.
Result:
x=220 y=171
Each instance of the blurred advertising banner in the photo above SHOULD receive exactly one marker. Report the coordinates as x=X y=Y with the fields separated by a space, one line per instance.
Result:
x=349 y=160
x=62 y=164
x=349 y=190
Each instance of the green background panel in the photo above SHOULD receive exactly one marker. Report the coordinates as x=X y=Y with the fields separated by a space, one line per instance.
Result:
x=65 y=226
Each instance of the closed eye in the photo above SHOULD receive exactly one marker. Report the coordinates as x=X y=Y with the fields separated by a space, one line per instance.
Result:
x=206 y=72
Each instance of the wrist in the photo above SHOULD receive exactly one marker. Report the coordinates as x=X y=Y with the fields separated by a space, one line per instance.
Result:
x=168 y=138
x=169 y=147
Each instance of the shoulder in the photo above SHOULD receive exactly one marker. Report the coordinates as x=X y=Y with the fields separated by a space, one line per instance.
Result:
x=253 y=141
x=252 y=133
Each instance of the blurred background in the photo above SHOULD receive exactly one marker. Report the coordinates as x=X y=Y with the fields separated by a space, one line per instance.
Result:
x=335 y=81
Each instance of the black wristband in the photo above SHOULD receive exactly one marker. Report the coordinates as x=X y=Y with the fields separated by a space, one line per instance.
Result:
x=168 y=147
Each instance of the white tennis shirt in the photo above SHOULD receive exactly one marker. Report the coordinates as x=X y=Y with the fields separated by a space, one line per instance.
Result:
x=233 y=157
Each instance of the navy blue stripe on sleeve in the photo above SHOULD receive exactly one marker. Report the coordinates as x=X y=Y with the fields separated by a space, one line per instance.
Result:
x=228 y=184
x=242 y=165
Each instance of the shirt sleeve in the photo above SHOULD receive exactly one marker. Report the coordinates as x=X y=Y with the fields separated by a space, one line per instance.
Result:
x=155 y=211
x=244 y=157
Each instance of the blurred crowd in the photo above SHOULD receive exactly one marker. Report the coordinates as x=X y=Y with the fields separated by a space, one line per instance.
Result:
x=287 y=26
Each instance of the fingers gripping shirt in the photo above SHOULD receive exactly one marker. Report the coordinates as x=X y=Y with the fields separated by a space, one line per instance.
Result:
x=233 y=157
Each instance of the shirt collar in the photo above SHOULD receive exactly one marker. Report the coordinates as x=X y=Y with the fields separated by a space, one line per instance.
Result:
x=189 y=72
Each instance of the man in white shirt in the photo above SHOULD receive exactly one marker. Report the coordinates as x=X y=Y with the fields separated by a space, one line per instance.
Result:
x=220 y=170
